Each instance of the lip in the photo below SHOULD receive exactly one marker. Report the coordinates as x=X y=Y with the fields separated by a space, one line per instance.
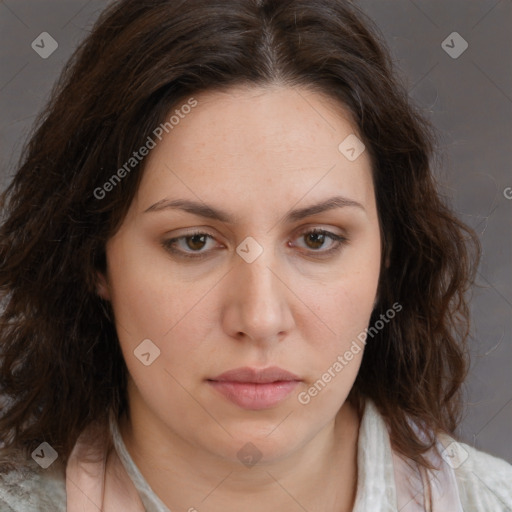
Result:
x=254 y=375
x=255 y=389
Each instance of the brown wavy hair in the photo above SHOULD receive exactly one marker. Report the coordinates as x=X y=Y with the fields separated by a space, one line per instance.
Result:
x=61 y=368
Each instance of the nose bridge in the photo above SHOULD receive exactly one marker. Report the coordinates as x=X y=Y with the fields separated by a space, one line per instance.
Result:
x=260 y=295
x=260 y=298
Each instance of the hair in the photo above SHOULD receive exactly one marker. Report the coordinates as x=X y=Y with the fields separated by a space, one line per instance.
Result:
x=61 y=367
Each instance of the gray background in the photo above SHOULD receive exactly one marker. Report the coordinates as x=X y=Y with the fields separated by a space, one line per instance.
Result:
x=469 y=99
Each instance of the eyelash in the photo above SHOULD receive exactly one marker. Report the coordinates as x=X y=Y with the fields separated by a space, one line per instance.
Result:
x=169 y=244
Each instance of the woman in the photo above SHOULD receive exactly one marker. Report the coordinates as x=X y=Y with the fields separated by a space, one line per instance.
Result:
x=229 y=281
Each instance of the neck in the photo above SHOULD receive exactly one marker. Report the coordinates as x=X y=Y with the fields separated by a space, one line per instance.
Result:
x=321 y=476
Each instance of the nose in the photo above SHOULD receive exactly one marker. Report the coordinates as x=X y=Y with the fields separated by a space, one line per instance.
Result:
x=257 y=305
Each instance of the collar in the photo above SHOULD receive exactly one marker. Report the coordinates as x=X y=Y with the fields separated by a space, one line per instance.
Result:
x=89 y=488
x=375 y=476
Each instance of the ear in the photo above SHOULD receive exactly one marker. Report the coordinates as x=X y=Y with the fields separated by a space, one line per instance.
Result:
x=102 y=288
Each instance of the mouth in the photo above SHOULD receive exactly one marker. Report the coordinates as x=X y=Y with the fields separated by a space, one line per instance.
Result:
x=254 y=389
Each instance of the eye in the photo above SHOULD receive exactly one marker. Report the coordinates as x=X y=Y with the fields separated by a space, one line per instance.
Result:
x=316 y=239
x=195 y=245
x=189 y=246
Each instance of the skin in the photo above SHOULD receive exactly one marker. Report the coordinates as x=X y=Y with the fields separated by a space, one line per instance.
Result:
x=256 y=153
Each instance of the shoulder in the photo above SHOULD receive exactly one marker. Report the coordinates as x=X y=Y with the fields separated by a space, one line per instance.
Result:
x=33 y=489
x=484 y=481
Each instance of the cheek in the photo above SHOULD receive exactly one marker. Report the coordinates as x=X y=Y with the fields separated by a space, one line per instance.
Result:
x=335 y=345
x=335 y=325
x=343 y=300
x=150 y=302
x=147 y=299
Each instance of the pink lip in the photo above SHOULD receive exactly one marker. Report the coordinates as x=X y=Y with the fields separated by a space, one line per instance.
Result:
x=255 y=389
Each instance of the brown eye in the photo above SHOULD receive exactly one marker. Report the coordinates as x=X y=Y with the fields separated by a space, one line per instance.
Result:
x=189 y=246
x=315 y=240
x=321 y=242
x=196 y=242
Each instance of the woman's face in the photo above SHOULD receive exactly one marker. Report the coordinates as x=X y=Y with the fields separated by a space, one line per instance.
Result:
x=234 y=276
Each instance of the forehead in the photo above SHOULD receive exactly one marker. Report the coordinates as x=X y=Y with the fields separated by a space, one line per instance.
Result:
x=272 y=143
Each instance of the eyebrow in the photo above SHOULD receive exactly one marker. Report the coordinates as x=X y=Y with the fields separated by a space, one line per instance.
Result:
x=204 y=210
